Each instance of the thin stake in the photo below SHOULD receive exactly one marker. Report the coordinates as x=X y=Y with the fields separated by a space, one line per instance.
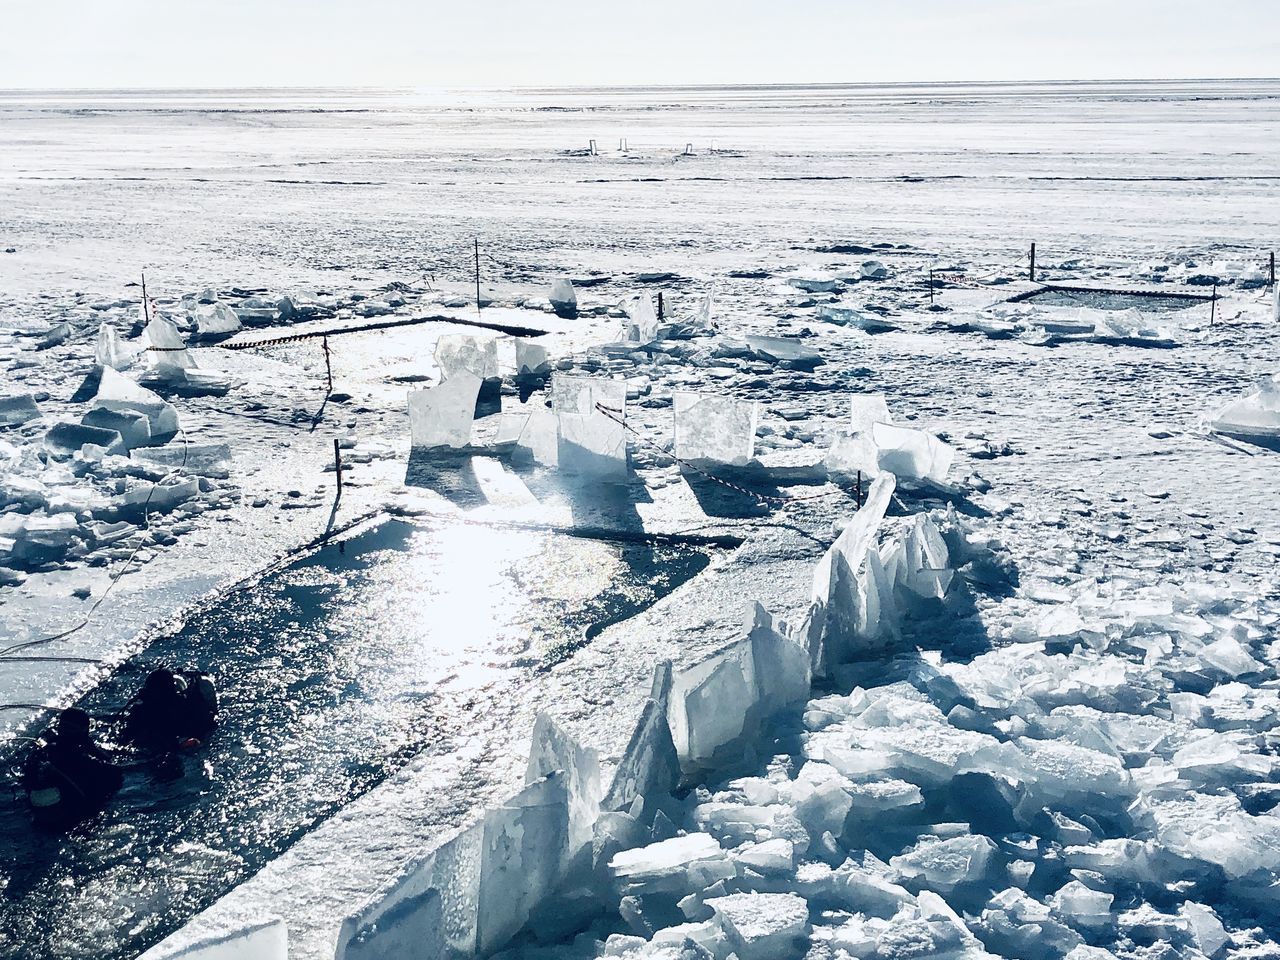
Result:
x=146 y=312
x=337 y=465
x=1033 y=263
x=328 y=369
x=931 y=286
x=1213 y=305
x=659 y=306
x=1273 y=268
x=477 y=275
x=858 y=495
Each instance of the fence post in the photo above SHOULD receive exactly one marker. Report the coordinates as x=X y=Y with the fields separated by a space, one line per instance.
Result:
x=659 y=306
x=337 y=464
x=328 y=368
x=1273 y=268
x=477 y=243
x=1033 y=262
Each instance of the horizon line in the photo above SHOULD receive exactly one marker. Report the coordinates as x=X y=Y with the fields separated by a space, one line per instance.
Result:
x=745 y=85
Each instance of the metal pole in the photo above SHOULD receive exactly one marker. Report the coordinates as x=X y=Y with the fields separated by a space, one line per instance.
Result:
x=337 y=464
x=931 y=286
x=1213 y=305
x=146 y=311
x=858 y=496
x=659 y=306
x=1273 y=268
x=477 y=275
x=1033 y=263
x=328 y=369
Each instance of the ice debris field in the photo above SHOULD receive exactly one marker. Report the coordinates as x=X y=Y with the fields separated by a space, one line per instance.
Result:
x=983 y=663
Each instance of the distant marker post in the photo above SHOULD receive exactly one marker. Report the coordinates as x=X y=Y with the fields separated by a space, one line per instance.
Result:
x=337 y=464
x=1033 y=263
x=477 y=243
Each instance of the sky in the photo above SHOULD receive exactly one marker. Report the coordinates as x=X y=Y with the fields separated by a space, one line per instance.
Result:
x=505 y=43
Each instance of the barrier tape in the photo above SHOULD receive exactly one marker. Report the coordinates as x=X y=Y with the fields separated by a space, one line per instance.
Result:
x=615 y=416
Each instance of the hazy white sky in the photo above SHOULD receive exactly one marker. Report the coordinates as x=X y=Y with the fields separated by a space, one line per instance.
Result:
x=232 y=43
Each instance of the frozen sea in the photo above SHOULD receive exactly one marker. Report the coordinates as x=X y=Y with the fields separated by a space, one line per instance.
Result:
x=1087 y=460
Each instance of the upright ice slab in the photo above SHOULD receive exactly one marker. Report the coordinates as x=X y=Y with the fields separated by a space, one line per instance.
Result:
x=531 y=358
x=592 y=445
x=715 y=429
x=167 y=352
x=581 y=394
x=564 y=299
x=553 y=749
x=641 y=326
x=539 y=436
x=441 y=416
x=458 y=353
x=110 y=352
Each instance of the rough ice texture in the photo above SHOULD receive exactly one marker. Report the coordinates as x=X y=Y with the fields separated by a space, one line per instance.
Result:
x=266 y=940
x=441 y=416
x=68 y=438
x=1256 y=414
x=134 y=428
x=458 y=353
x=867 y=409
x=202 y=459
x=763 y=926
x=552 y=749
x=715 y=429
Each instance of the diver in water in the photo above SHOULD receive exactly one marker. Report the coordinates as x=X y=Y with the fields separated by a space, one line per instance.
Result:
x=172 y=711
x=67 y=776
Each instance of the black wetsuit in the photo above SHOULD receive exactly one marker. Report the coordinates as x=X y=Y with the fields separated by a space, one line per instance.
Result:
x=161 y=717
x=67 y=778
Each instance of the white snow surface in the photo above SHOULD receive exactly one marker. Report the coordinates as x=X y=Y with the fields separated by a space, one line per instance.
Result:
x=1016 y=752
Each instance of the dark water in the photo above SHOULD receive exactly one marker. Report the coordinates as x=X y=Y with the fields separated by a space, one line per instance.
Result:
x=1104 y=300
x=333 y=672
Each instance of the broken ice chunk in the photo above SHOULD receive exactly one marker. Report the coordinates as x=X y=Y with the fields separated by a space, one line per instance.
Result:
x=798 y=354
x=641 y=326
x=68 y=438
x=867 y=409
x=564 y=299
x=814 y=282
x=910 y=453
x=1081 y=906
x=461 y=353
x=1256 y=415
x=945 y=864
x=441 y=416
x=216 y=319
x=531 y=358
x=118 y=392
x=662 y=865
x=110 y=352
x=166 y=350
x=134 y=428
x=715 y=429
x=202 y=459
x=17 y=410
x=582 y=394
x=763 y=926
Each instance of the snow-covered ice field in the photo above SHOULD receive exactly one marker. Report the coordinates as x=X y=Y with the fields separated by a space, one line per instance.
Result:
x=1112 y=645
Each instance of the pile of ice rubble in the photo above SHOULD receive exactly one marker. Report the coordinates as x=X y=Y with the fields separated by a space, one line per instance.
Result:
x=1102 y=786
x=86 y=490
